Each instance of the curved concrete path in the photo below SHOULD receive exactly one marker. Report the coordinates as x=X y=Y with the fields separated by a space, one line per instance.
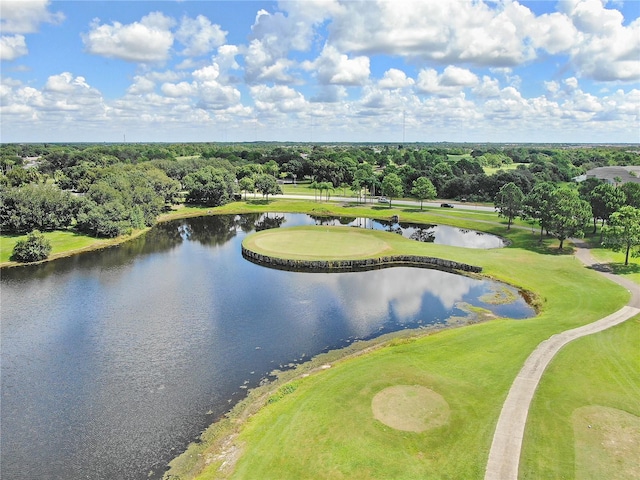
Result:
x=504 y=456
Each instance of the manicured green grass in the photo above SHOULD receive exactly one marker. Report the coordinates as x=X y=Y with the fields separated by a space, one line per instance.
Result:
x=320 y=243
x=616 y=261
x=324 y=428
x=601 y=370
x=61 y=242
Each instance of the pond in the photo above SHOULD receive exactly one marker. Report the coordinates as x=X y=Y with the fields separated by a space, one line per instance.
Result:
x=113 y=361
x=439 y=234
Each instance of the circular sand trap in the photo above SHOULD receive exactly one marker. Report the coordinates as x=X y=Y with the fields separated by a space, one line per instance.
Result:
x=411 y=408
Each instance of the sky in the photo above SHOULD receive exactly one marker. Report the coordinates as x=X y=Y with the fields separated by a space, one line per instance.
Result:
x=320 y=71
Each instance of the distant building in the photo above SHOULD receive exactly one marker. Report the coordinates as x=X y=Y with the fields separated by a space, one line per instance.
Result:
x=628 y=174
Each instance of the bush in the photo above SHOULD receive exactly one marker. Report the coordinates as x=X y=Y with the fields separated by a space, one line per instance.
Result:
x=34 y=248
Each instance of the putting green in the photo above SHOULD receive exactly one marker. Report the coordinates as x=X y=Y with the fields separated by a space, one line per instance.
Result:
x=316 y=243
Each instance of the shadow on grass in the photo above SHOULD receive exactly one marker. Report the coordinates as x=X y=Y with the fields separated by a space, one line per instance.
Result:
x=622 y=269
x=259 y=201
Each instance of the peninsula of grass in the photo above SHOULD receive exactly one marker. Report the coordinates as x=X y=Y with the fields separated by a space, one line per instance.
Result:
x=333 y=248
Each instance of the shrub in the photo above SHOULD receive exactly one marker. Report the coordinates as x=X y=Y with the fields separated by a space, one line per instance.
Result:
x=35 y=247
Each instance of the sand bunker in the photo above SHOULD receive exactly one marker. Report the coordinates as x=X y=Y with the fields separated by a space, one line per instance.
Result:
x=411 y=408
x=607 y=442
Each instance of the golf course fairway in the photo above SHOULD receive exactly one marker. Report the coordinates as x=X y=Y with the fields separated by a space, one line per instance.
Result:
x=322 y=420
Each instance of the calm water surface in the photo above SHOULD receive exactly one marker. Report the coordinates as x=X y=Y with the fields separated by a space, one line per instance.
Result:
x=113 y=361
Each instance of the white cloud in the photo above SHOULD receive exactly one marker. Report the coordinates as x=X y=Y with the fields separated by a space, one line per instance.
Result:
x=182 y=89
x=335 y=68
x=141 y=85
x=146 y=41
x=605 y=49
x=489 y=87
x=26 y=16
x=330 y=94
x=12 y=47
x=209 y=73
x=554 y=32
x=445 y=32
x=275 y=35
x=278 y=99
x=199 y=36
x=450 y=83
x=65 y=98
x=394 y=78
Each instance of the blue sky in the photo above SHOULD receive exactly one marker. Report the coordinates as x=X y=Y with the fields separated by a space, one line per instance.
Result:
x=320 y=70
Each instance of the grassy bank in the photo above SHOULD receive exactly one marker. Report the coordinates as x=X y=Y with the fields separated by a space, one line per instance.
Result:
x=63 y=243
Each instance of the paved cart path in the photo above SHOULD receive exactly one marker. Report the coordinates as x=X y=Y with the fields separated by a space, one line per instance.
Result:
x=504 y=456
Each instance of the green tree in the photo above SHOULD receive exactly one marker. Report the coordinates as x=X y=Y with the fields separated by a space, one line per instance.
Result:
x=509 y=202
x=211 y=186
x=392 y=186
x=536 y=205
x=632 y=192
x=36 y=247
x=605 y=199
x=267 y=185
x=246 y=184
x=568 y=214
x=423 y=189
x=623 y=231
x=110 y=219
x=36 y=207
x=325 y=187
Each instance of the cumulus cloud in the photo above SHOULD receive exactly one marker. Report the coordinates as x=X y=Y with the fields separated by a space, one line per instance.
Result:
x=445 y=32
x=199 y=36
x=12 y=47
x=272 y=37
x=182 y=89
x=64 y=97
x=275 y=35
x=19 y=16
x=449 y=83
x=394 y=78
x=335 y=68
x=146 y=41
x=211 y=93
x=278 y=99
x=141 y=85
x=330 y=94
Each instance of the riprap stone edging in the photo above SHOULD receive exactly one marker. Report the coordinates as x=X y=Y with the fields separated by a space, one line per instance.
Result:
x=361 y=264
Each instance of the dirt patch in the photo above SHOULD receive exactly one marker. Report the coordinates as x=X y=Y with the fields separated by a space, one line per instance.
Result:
x=410 y=408
x=607 y=442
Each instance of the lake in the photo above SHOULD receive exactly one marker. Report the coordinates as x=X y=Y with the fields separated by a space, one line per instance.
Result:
x=113 y=361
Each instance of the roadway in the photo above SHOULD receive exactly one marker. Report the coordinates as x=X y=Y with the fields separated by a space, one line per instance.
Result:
x=401 y=203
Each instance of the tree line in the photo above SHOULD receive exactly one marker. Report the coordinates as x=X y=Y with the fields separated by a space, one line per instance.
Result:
x=565 y=212
x=110 y=190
